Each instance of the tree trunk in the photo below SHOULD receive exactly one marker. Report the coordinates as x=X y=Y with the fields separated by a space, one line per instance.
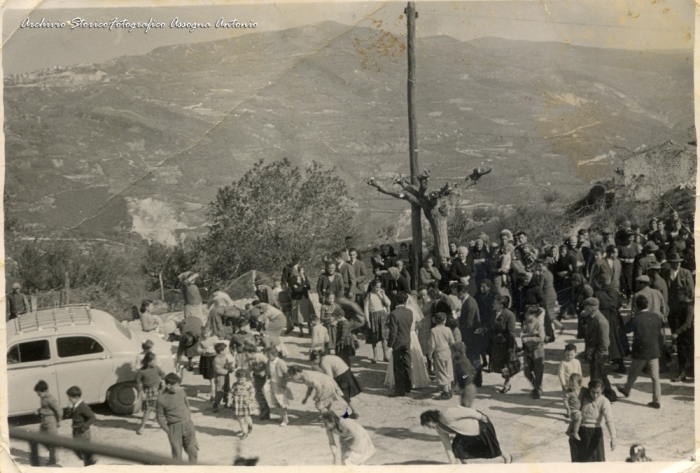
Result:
x=162 y=290
x=438 y=223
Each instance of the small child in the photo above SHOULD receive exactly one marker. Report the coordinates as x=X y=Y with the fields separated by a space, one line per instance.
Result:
x=146 y=347
x=207 y=343
x=330 y=313
x=344 y=339
x=279 y=393
x=441 y=338
x=319 y=335
x=567 y=367
x=50 y=414
x=573 y=404
x=148 y=382
x=244 y=403
x=221 y=367
x=83 y=418
x=638 y=454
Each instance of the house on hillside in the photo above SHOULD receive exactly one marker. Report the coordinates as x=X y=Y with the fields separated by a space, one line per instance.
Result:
x=654 y=171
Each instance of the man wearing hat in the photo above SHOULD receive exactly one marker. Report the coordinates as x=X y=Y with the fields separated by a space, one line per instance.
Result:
x=17 y=303
x=656 y=303
x=627 y=252
x=657 y=282
x=643 y=261
x=597 y=344
x=646 y=351
x=680 y=282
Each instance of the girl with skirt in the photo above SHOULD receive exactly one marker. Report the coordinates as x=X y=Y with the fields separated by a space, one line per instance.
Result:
x=244 y=404
x=377 y=305
x=474 y=434
x=149 y=381
x=344 y=344
x=355 y=445
x=336 y=368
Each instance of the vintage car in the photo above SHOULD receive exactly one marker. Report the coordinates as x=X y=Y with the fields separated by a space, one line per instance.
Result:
x=77 y=346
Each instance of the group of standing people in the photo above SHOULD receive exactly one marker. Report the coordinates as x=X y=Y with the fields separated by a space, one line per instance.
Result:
x=457 y=320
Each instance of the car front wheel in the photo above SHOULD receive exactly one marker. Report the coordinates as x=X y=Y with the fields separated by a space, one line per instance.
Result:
x=123 y=399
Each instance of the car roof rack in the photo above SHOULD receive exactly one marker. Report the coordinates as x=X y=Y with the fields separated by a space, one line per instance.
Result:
x=54 y=318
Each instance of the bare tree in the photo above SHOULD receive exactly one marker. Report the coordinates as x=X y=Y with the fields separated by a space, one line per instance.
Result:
x=436 y=204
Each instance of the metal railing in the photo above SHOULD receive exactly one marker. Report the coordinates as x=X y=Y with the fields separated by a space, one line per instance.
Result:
x=144 y=458
x=36 y=438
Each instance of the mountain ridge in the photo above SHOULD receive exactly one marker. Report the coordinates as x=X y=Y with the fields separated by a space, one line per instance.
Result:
x=344 y=105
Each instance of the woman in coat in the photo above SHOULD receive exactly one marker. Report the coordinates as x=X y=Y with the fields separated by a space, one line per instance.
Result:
x=504 y=344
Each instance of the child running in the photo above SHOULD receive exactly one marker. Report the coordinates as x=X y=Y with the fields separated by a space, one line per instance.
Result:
x=573 y=405
x=148 y=382
x=567 y=367
x=244 y=403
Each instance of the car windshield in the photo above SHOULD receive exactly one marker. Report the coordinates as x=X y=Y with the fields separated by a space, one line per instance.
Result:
x=125 y=331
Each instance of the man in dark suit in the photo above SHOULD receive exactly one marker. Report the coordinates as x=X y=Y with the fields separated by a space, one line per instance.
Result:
x=597 y=344
x=400 y=321
x=645 y=350
x=362 y=277
x=347 y=271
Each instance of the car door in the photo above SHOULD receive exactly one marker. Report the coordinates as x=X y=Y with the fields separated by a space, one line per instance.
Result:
x=82 y=361
x=27 y=363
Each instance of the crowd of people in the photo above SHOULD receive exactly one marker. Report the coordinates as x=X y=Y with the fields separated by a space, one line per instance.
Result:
x=487 y=307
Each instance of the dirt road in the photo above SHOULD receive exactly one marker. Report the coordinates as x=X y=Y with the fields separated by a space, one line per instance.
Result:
x=531 y=430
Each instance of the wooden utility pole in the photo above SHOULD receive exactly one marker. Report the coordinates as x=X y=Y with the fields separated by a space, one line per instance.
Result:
x=416 y=228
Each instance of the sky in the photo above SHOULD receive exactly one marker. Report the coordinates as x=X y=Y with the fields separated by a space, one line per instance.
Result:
x=623 y=24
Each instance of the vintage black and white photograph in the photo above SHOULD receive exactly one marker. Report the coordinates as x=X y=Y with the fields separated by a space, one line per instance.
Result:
x=349 y=233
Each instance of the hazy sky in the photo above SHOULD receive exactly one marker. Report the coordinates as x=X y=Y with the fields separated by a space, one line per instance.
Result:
x=626 y=24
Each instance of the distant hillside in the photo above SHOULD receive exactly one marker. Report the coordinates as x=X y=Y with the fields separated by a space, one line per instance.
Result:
x=78 y=136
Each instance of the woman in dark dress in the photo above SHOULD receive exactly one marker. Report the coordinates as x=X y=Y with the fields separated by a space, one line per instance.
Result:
x=475 y=436
x=484 y=299
x=504 y=344
x=610 y=303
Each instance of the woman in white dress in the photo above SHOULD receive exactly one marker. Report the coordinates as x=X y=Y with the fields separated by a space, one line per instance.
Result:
x=419 y=372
